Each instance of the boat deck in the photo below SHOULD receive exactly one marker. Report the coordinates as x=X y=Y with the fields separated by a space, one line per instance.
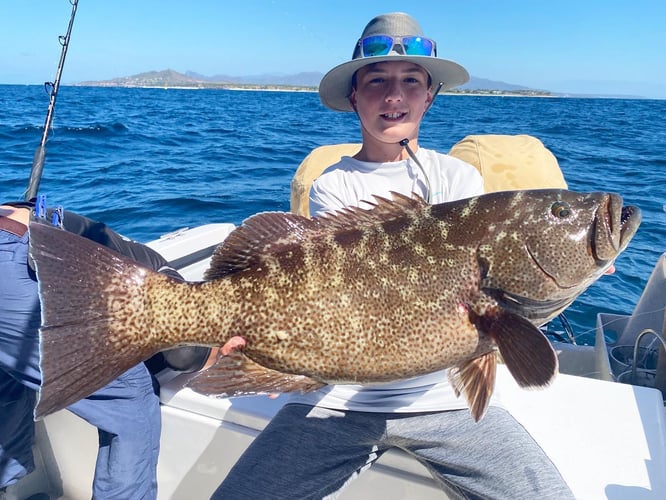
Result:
x=607 y=439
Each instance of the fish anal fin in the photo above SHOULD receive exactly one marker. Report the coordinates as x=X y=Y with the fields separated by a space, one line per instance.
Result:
x=476 y=379
x=526 y=351
x=237 y=375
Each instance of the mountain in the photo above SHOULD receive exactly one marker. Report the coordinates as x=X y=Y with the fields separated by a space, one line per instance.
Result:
x=312 y=79
x=485 y=84
x=171 y=78
x=167 y=77
x=305 y=79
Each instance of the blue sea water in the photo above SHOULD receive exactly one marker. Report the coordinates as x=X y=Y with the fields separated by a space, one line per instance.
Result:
x=148 y=161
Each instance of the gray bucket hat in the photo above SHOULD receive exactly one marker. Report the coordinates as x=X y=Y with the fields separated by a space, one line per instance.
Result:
x=336 y=86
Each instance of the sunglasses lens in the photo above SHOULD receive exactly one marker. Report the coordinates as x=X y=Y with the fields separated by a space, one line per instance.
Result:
x=418 y=46
x=378 y=45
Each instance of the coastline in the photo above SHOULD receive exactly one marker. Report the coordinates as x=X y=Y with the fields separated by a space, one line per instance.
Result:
x=296 y=88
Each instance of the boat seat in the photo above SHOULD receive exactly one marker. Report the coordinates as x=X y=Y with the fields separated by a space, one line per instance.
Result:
x=506 y=162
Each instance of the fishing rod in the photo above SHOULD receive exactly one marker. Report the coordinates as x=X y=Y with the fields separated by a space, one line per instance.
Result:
x=40 y=152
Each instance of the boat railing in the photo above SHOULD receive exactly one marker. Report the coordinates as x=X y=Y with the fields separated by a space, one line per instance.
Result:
x=659 y=376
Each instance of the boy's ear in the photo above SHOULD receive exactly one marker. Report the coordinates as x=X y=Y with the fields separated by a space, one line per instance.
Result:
x=352 y=99
x=428 y=101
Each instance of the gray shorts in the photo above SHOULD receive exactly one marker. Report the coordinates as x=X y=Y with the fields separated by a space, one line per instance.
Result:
x=311 y=453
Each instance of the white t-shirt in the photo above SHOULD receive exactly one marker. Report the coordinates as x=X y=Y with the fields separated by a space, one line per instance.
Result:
x=349 y=183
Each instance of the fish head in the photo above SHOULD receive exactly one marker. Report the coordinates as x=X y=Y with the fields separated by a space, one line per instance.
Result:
x=543 y=248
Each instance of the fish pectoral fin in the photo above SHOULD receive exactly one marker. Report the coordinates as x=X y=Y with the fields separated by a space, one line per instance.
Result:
x=237 y=375
x=526 y=351
x=476 y=379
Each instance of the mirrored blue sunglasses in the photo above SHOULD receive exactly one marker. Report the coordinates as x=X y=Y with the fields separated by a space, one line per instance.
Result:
x=381 y=45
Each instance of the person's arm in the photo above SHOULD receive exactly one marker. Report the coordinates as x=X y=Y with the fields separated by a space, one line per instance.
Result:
x=101 y=233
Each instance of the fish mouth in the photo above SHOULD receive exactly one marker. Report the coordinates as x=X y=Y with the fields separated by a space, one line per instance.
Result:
x=614 y=226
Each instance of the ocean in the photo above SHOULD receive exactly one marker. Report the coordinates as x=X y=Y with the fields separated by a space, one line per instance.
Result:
x=149 y=161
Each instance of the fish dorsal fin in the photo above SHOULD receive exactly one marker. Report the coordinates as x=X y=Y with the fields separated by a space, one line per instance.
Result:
x=257 y=235
x=237 y=375
x=382 y=209
x=270 y=232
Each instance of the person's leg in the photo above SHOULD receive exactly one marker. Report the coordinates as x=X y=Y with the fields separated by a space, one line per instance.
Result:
x=305 y=453
x=20 y=316
x=127 y=415
x=19 y=357
x=126 y=411
x=493 y=458
x=17 y=430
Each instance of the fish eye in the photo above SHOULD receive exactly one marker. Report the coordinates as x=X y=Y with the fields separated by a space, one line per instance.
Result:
x=560 y=209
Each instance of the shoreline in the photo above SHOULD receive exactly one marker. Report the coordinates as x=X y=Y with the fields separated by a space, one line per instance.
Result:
x=295 y=88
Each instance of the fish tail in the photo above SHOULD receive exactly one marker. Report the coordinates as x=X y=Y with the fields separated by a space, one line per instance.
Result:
x=85 y=339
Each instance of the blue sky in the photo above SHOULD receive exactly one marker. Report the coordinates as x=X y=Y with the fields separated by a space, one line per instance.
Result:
x=588 y=46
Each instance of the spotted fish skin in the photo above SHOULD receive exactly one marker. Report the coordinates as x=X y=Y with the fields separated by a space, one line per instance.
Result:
x=361 y=296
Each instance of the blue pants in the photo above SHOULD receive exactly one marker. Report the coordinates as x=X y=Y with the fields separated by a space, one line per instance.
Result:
x=126 y=412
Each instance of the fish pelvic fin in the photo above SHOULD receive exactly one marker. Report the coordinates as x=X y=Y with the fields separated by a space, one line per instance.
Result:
x=83 y=346
x=237 y=375
x=476 y=379
x=526 y=351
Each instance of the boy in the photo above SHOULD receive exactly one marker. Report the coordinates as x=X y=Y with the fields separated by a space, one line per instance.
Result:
x=320 y=441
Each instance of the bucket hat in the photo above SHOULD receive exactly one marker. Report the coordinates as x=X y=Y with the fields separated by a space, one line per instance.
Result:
x=336 y=86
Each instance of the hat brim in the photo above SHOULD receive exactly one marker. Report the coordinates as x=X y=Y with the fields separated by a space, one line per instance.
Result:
x=335 y=88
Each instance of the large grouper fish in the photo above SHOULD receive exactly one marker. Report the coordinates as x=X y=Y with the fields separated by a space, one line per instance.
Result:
x=360 y=296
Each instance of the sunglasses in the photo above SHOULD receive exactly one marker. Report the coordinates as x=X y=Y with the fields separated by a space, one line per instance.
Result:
x=381 y=45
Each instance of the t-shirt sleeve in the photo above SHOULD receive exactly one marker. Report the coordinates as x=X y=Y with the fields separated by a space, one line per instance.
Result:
x=472 y=185
x=329 y=193
x=322 y=201
x=465 y=180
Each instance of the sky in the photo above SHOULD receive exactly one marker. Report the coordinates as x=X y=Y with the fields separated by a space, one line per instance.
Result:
x=576 y=46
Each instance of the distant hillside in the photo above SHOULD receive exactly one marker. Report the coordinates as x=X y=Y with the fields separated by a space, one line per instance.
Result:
x=308 y=80
x=167 y=77
x=485 y=84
